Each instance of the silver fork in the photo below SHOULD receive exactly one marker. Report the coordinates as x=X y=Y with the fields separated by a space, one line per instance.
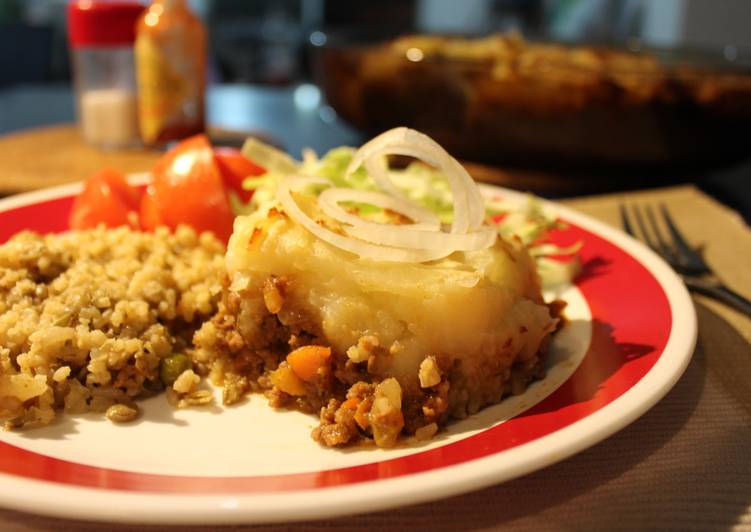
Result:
x=685 y=260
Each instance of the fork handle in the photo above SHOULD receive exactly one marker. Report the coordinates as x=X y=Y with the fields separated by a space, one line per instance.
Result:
x=719 y=292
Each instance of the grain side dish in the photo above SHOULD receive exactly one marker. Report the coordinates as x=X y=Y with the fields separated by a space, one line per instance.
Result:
x=385 y=301
x=91 y=321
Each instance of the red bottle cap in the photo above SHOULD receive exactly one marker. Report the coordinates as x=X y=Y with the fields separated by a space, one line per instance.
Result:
x=102 y=23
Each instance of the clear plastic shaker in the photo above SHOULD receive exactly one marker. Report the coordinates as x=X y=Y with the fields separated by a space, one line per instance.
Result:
x=101 y=35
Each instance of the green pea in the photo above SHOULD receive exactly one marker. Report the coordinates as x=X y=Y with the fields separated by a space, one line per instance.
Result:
x=172 y=367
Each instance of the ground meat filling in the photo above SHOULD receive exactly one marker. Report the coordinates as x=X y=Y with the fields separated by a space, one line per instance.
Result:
x=249 y=344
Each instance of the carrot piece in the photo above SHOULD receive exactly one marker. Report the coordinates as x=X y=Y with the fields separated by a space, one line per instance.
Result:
x=351 y=404
x=305 y=361
x=285 y=379
x=362 y=414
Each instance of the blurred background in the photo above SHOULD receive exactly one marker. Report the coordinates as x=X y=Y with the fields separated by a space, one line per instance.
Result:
x=267 y=41
x=274 y=70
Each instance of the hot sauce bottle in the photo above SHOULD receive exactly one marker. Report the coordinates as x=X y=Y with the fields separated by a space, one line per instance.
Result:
x=170 y=54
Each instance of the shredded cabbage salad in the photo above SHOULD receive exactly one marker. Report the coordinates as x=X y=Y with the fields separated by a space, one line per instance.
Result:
x=427 y=187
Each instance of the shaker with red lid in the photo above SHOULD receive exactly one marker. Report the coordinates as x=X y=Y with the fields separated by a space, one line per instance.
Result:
x=101 y=35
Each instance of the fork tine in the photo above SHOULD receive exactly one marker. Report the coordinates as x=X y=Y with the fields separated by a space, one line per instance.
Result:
x=683 y=247
x=661 y=242
x=643 y=228
x=625 y=222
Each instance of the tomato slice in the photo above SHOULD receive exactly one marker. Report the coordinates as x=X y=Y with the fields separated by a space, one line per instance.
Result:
x=107 y=199
x=188 y=189
x=149 y=214
x=235 y=167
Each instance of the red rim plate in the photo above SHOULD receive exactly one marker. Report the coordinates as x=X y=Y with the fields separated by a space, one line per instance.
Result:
x=628 y=338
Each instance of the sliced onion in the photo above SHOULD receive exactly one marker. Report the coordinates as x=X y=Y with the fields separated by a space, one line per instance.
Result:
x=469 y=210
x=426 y=234
x=330 y=198
x=358 y=247
x=420 y=241
x=377 y=167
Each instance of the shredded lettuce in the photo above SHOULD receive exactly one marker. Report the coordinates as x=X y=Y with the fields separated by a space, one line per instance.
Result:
x=530 y=222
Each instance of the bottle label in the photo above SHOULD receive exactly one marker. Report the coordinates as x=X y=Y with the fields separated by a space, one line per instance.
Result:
x=167 y=91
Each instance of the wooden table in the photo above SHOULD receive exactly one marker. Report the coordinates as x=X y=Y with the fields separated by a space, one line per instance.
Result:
x=54 y=155
x=38 y=158
x=24 y=168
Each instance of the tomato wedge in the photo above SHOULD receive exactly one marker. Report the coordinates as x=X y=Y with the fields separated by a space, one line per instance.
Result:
x=235 y=167
x=149 y=214
x=107 y=199
x=188 y=189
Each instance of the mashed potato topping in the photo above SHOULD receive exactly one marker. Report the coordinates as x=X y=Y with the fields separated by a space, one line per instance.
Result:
x=471 y=302
x=448 y=336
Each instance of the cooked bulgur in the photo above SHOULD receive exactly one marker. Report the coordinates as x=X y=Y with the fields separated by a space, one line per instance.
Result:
x=90 y=320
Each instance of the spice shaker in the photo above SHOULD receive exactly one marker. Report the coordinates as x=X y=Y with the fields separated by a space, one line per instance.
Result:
x=101 y=36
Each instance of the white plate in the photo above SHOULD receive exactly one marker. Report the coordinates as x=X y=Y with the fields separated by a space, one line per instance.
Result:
x=631 y=334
